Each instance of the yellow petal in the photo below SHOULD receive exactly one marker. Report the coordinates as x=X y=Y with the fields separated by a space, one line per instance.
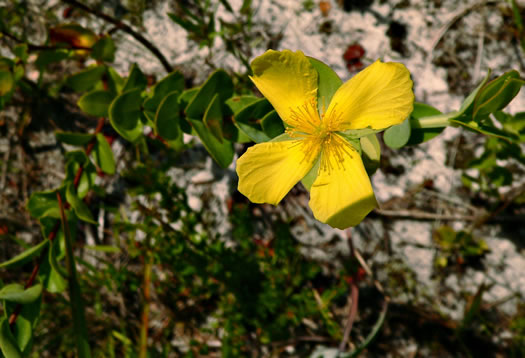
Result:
x=267 y=171
x=380 y=96
x=289 y=82
x=342 y=195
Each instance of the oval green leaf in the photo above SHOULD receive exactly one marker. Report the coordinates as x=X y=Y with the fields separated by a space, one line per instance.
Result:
x=167 y=122
x=96 y=103
x=103 y=155
x=77 y=139
x=7 y=82
x=397 y=136
x=124 y=114
x=8 y=343
x=25 y=256
x=213 y=118
x=78 y=205
x=272 y=124
x=222 y=153
x=15 y=293
x=104 y=49
x=86 y=79
x=218 y=83
x=43 y=204
x=135 y=80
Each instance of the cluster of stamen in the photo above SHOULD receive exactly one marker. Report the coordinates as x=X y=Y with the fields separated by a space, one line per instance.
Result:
x=317 y=135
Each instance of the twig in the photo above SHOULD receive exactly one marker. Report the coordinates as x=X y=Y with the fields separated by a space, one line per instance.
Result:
x=126 y=28
x=353 y=300
x=368 y=271
x=145 y=310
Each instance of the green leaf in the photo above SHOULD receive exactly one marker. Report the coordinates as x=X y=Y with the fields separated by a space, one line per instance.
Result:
x=500 y=176
x=468 y=103
x=72 y=138
x=43 y=204
x=252 y=132
x=136 y=79
x=54 y=254
x=371 y=153
x=229 y=130
x=124 y=114
x=52 y=280
x=47 y=57
x=25 y=256
x=222 y=153
x=249 y=118
x=167 y=121
x=496 y=94
x=397 y=136
x=328 y=81
x=359 y=133
x=187 y=96
x=96 y=103
x=514 y=124
x=86 y=79
x=419 y=135
x=218 y=83
x=7 y=82
x=272 y=124
x=238 y=103
x=115 y=81
x=254 y=113
x=486 y=161
x=21 y=52
x=487 y=130
x=103 y=155
x=15 y=292
x=24 y=325
x=213 y=118
x=104 y=49
x=8 y=343
x=74 y=160
x=174 y=82
x=226 y=5
x=78 y=205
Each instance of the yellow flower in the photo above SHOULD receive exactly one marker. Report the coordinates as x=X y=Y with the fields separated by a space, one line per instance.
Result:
x=341 y=195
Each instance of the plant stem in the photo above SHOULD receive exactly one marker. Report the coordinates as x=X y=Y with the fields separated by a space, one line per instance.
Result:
x=75 y=293
x=437 y=121
x=145 y=311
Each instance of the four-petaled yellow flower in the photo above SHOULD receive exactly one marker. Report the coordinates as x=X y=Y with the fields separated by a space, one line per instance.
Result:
x=341 y=195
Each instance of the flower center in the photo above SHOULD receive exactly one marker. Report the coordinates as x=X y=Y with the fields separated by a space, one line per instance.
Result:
x=317 y=135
